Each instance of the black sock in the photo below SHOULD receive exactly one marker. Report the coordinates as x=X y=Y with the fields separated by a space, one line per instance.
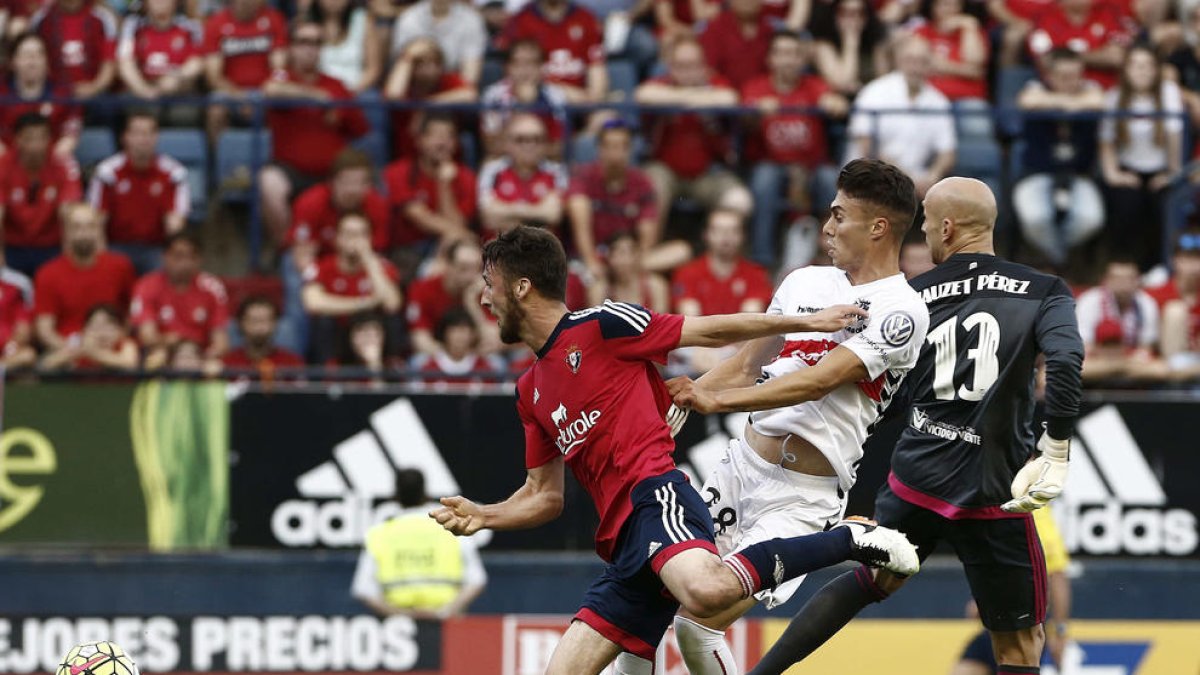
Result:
x=770 y=563
x=823 y=615
x=1018 y=670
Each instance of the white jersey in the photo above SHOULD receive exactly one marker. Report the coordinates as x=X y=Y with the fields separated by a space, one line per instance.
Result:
x=888 y=343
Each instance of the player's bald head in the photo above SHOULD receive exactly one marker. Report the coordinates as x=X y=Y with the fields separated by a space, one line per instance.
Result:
x=966 y=201
x=958 y=212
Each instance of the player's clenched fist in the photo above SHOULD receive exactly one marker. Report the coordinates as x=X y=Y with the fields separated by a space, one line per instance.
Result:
x=687 y=394
x=832 y=319
x=1042 y=479
x=459 y=515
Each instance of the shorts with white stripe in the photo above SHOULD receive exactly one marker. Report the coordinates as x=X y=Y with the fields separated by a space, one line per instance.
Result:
x=628 y=603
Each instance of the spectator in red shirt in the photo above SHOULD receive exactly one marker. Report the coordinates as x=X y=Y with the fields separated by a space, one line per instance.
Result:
x=16 y=317
x=85 y=275
x=736 y=42
x=459 y=361
x=1091 y=28
x=789 y=149
x=458 y=286
x=142 y=195
x=30 y=82
x=34 y=187
x=573 y=42
x=313 y=231
x=721 y=281
x=158 y=53
x=688 y=148
x=432 y=195
x=420 y=74
x=351 y=280
x=102 y=344
x=960 y=50
x=82 y=35
x=523 y=84
x=257 y=319
x=243 y=45
x=305 y=141
x=612 y=196
x=522 y=187
x=181 y=303
x=680 y=18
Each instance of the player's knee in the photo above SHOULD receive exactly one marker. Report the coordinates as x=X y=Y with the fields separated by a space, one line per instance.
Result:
x=707 y=596
x=887 y=583
x=1020 y=647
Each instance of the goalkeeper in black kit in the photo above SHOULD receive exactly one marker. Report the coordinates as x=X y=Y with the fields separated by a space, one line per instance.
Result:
x=969 y=466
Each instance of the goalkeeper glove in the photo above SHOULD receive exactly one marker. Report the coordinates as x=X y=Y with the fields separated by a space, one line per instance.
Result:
x=676 y=416
x=1042 y=479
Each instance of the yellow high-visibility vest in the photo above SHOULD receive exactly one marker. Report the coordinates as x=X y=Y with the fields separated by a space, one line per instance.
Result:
x=418 y=564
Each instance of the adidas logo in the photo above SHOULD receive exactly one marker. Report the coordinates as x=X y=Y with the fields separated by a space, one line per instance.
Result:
x=778 y=572
x=1112 y=502
x=654 y=546
x=338 y=496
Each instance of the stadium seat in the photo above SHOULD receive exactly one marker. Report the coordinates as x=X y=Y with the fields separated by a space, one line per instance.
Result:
x=235 y=175
x=978 y=158
x=1009 y=83
x=190 y=148
x=973 y=120
x=95 y=145
x=622 y=77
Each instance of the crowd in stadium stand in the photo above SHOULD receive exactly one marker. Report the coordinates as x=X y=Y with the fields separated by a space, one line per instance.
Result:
x=684 y=150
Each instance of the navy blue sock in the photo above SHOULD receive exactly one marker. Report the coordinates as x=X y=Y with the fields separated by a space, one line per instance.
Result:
x=820 y=618
x=1018 y=670
x=767 y=564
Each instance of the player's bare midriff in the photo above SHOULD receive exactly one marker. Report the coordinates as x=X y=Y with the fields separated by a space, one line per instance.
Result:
x=791 y=452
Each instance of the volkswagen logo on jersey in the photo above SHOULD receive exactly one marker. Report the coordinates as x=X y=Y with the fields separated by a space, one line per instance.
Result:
x=574 y=358
x=897 y=328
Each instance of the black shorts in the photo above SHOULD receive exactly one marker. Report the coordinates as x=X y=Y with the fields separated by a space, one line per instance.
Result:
x=628 y=604
x=1002 y=557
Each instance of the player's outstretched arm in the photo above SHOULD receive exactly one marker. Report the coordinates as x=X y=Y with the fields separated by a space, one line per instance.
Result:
x=744 y=367
x=725 y=329
x=840 y=366
x=537 y=502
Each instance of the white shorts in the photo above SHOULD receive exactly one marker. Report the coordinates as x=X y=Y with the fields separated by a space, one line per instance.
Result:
x=752 y=500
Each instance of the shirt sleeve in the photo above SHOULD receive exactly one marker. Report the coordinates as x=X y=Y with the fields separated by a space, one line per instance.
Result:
x=279 y=31
x=220 y=313
x=891 y=339
x=539 y=448
x=141 y=309
x=633 y=332
x=211 y=40
x=46 y=301
x=468 y=202
x=1058 y=339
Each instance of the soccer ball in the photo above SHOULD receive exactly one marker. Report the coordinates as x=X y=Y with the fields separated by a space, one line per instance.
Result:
x=97 y=658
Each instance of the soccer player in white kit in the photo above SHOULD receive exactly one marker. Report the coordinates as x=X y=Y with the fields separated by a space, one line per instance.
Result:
x=819 y=394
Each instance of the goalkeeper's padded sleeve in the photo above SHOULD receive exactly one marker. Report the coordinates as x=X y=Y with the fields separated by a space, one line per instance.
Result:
x=1058 y=338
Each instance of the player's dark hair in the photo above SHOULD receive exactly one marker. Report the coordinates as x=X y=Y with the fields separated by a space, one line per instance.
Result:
x=532 y=253
x=456 y=316
x=431 y=119
x=252 y=301
x=1122 y=259
x=28 y=120
x=185 y=236
x=882 y=185
x=410 y=488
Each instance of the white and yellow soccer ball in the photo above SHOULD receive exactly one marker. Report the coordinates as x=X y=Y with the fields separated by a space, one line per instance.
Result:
x=97 y=658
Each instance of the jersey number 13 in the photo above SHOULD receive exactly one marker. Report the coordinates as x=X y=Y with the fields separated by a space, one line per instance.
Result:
x=944 y=338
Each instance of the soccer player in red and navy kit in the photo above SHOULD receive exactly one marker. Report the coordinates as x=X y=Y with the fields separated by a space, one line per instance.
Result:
x=594 y=400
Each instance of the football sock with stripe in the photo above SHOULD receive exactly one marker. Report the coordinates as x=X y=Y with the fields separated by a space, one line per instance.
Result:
x=628 y=664
x=1018 y=670
x=823 y=615
x=769 y=563
x=704 y=649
